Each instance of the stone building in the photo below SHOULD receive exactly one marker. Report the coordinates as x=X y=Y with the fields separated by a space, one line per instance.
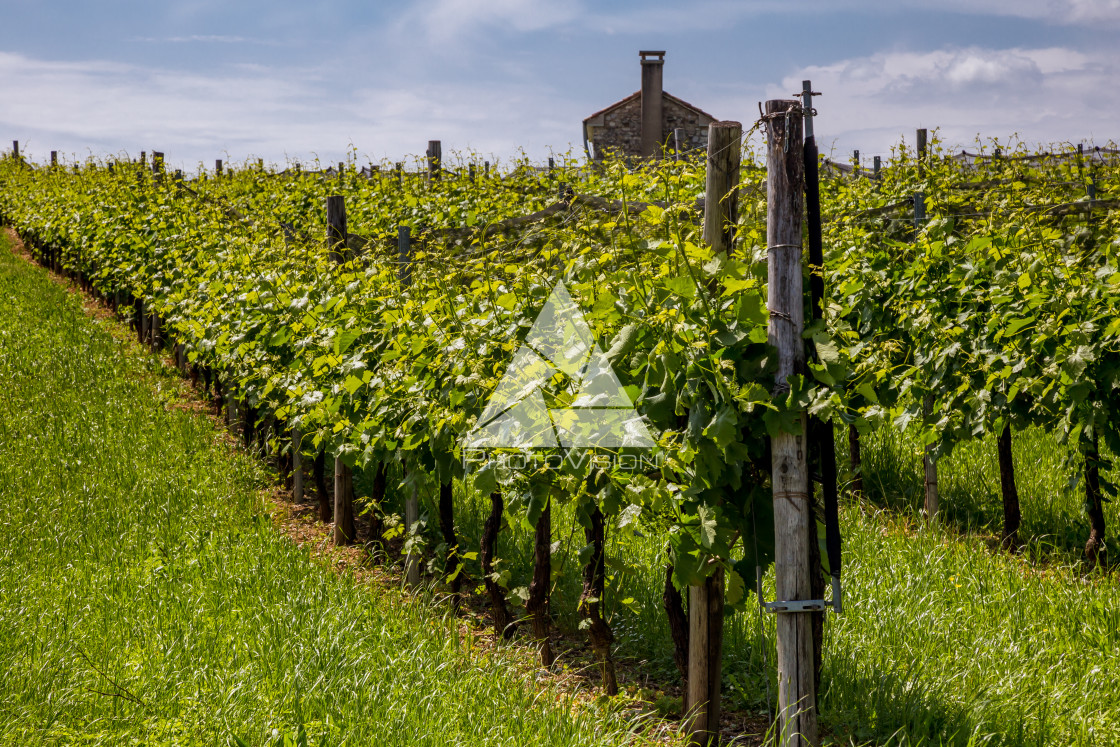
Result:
x=646 y=121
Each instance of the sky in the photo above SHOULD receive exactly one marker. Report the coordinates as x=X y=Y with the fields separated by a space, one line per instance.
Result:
x=373 y=81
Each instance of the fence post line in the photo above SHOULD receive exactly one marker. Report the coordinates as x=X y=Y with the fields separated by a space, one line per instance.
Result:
x=797 y=711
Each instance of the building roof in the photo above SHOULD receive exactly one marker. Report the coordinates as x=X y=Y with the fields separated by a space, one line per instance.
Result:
x=638 y=95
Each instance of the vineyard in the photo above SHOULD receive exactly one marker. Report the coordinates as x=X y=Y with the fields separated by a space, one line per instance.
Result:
x=964 y=348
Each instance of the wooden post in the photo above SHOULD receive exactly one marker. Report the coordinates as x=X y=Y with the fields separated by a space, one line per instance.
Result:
x=412 y=560
x=470 y=173
x=931 y=505
x=855 y=161
x=797 y=713
x=721 y=184
x=297 y=464
x=404 y=255
x=260 y=164
x=400 y=173
x=54 y=158
x=922 y=135
x=705 y=618
x=878 y=164
x=336 y=228
x=157 y=162
x=551 y=165
x=435 y=158
x=412 y=502
x=343 y=504
x=143 y=159
x=486 y=168
x=15 y=149
x=217 y=167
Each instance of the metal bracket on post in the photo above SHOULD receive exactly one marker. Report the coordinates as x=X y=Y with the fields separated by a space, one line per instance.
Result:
x=800 y=605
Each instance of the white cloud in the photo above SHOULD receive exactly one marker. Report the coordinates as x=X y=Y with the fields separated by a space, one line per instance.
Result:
x=105 y=107
x=1047 y=95
x=449 y=21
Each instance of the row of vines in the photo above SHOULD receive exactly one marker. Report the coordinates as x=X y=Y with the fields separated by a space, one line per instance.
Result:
x=965 y=297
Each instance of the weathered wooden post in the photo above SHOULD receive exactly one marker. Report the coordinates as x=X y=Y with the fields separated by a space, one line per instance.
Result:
x=705 y=602
x=344 y=533
x=400 y=172
x=877 y=164
x=336 y=228
x=217 y=167
x=486 y=168
x=54 y=158
x=722 y=184
x=470 y=173
x=412 y=502
x=797 y=714
x=922 y=137
x=297 y=464
x=930 y=506
x=157 y=162
x=15 y=149
x=435 y=160
x=855 y=162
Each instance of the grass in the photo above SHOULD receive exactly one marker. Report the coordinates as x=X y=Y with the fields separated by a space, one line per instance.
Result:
x=145 y=598
x=943 y=641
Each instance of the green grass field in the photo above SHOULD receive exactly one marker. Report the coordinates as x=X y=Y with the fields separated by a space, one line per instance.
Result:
x=145 y=598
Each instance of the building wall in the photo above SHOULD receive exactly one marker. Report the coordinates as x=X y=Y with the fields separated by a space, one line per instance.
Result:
x=694 y=124
x=621 y=128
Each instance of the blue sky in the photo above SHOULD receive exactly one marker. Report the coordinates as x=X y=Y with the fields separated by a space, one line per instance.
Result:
x=283 y=80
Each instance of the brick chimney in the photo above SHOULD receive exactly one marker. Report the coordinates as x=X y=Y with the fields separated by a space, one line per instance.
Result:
x=652 y=64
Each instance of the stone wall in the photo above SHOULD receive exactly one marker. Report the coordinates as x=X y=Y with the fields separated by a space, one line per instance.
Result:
x=621 y=130
x=694 y=124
